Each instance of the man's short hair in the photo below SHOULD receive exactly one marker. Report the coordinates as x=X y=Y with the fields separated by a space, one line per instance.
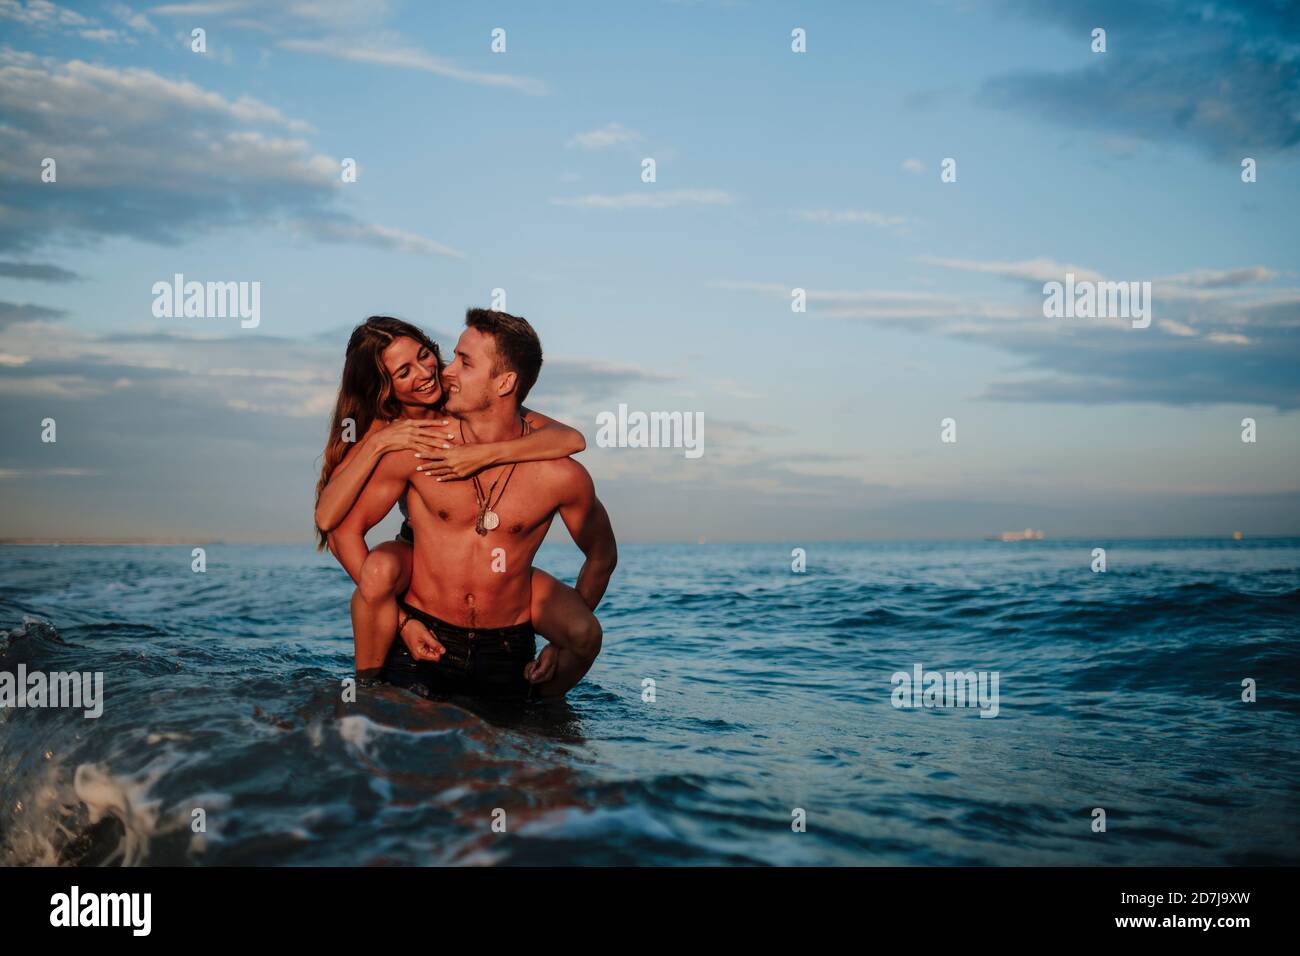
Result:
x=518 y=348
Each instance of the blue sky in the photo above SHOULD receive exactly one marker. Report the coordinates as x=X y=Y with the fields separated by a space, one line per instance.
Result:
x=775 y=170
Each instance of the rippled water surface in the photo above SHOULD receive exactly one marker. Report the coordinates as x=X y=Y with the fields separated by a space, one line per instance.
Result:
x=772 y=691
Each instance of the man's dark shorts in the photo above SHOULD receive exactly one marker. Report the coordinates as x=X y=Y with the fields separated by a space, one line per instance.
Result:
x=483 y=662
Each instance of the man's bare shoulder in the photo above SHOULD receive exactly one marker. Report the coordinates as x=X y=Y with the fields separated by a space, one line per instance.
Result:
x=565 y=475
x=561 y=468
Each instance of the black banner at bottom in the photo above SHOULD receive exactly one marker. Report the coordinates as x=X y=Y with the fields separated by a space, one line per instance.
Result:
x=212 y=905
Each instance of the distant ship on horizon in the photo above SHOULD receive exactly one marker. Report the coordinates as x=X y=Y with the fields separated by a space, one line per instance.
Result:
x=1029 y=534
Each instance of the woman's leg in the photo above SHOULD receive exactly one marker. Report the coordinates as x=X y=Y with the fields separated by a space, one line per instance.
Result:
x=562 y=617
x=384 y=575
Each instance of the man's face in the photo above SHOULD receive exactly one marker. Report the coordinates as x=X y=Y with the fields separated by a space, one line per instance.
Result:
x=470 y=384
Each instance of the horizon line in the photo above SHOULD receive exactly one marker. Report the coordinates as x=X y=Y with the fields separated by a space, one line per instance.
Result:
x=700 y=541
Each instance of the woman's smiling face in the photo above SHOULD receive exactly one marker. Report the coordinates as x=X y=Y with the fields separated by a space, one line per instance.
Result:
x=413 y=369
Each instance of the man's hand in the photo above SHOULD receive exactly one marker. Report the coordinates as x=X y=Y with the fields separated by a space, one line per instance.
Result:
x=542 y=669
x=419 y=640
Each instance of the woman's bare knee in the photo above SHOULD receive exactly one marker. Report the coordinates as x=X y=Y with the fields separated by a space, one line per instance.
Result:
x=587 y=637
x=380 y=574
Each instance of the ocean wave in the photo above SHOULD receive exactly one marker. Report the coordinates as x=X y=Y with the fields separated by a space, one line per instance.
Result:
x=771 y=695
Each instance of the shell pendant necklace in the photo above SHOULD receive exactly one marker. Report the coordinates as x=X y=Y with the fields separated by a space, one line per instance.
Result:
x=488 y=519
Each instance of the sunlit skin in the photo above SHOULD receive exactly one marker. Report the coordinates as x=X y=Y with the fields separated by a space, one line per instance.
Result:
x=417 y=385
x=413 y=369
x=456 y=575
x=386 y=570
x=558 y=613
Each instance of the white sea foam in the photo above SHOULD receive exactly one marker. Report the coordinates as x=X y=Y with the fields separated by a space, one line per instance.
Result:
x=357 y=731
x=126 y=797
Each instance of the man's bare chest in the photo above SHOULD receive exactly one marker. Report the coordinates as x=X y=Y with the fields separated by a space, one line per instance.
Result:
x=518 y=507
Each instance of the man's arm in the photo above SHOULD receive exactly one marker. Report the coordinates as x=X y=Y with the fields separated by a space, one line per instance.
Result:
x=588 y=524
x=348 y=540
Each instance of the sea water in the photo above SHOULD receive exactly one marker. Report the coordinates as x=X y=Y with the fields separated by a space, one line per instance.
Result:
x=740 y=713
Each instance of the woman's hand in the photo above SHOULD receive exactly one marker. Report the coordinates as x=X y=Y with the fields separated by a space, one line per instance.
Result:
x=453 y=464
x=417 y=435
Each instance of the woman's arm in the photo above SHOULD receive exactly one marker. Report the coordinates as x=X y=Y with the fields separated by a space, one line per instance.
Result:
x=549 y=439
x=349 y=478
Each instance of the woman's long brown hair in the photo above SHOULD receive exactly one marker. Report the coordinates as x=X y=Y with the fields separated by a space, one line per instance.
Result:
x=365 y=390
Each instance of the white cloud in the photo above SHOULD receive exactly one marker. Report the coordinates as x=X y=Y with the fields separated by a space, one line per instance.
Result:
x=841 y=296
x=201 y=9
x=102 y=35
x=837 y=216
x=391 y=51
x=41 y=13
x=1176 y=328
x=1219 y=278
x=136 y=21
x=897 y=306
x=50 y=96
x=334 y=14
x=650 y=199
x=383 y=237
x=1028 y=270
x=611 y=134
x=45 y=17
x=75 y=387
x=1178 y=361
x=244 y=162
x=10 y=473
x=913 y=166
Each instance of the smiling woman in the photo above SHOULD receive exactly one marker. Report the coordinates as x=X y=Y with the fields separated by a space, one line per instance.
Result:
x=370 y=395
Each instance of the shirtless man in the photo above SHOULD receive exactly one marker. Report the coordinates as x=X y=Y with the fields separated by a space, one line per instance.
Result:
x=475 y=540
